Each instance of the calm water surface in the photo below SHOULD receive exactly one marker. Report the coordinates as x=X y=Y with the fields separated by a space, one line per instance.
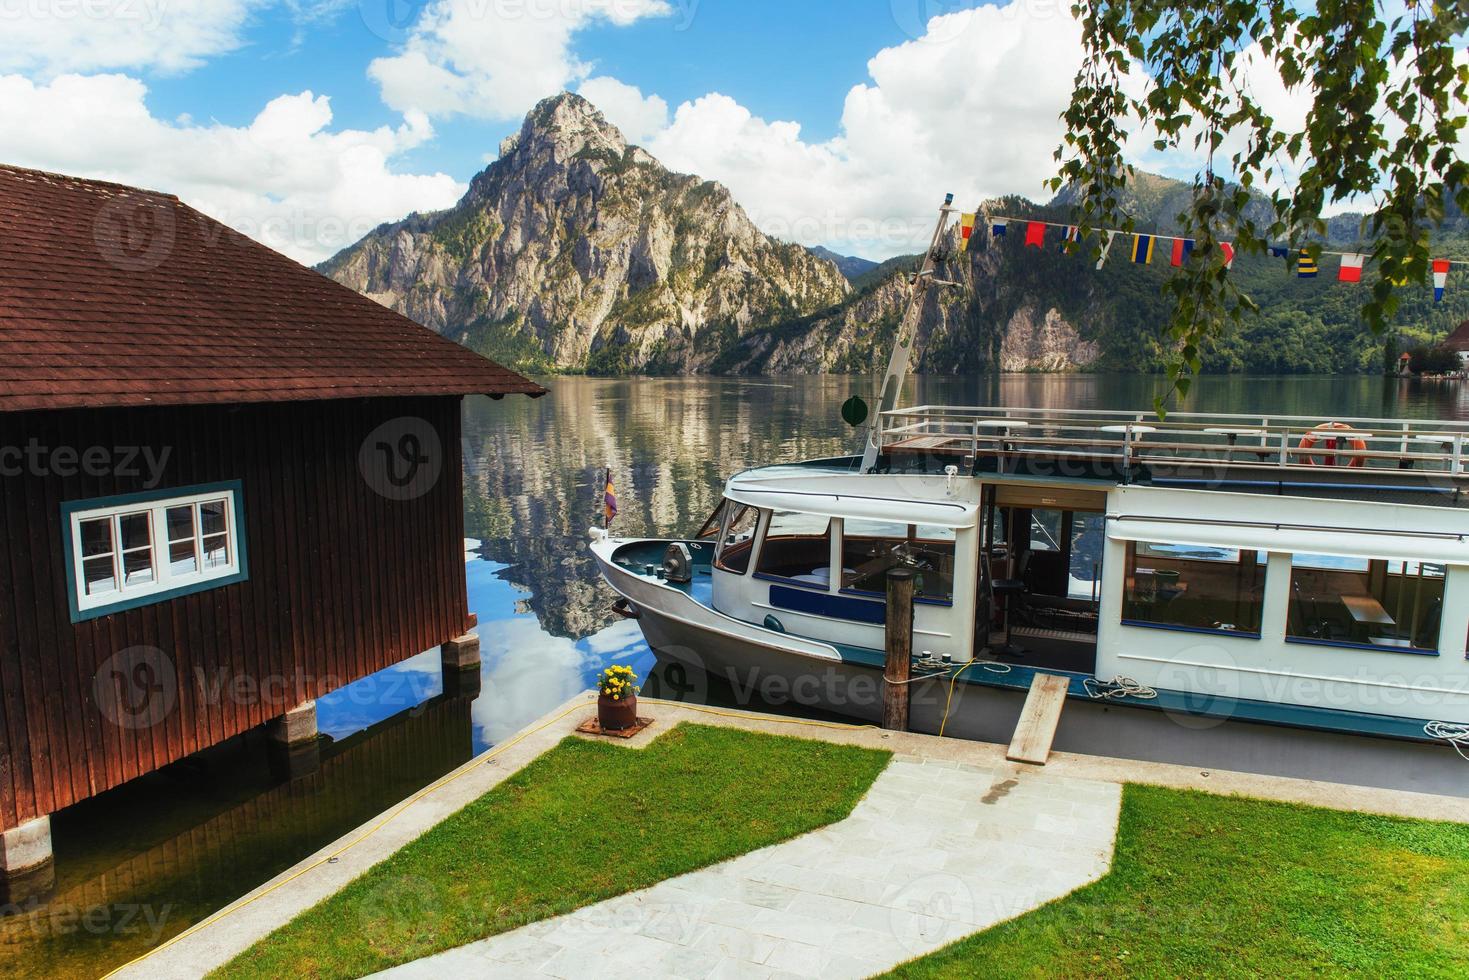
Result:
x=141 y=863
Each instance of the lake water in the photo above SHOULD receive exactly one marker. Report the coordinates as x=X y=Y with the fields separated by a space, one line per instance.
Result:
x=213 y=827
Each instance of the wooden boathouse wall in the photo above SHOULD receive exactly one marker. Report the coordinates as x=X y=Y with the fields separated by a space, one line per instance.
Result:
x=342 y=582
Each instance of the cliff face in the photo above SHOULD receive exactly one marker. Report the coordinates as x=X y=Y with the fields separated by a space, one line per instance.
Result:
x=988 y=319
x=575 y=250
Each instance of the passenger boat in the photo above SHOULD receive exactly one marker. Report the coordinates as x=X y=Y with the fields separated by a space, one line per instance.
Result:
x=1255 y=593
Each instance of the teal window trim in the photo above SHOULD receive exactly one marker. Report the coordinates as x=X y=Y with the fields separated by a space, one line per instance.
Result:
x=121 y=501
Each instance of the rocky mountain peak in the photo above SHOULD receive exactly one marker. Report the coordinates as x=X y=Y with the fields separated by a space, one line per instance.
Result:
x=576 y=250
x=568 y=125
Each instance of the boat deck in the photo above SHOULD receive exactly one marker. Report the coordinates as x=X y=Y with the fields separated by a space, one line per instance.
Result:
x=1133 y=446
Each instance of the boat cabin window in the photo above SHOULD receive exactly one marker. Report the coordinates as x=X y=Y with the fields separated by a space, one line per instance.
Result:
x=1377 y=603
x=1199 y=587
x=733 y=554
x=798 y=547
x=870 y=548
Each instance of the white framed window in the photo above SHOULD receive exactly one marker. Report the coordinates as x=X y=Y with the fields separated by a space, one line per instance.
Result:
x=127 y=551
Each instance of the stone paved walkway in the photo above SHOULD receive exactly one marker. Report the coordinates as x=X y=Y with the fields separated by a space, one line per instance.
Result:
x=936 y=850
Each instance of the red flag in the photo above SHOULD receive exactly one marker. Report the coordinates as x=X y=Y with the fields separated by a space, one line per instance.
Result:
x=1350 y=269
x=1228 y=251
x=1181 y=248
x=1035 y=234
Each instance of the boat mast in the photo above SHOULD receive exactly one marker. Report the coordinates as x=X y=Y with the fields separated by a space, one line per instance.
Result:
x=897 y=372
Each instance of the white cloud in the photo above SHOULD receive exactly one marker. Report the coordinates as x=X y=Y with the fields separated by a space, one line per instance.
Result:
x=640 y=118
x=47 y=37
x=972 y=107
x=286 y=179
x=494 y=59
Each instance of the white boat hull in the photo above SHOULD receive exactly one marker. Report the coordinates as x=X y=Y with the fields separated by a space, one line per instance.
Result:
x=765 y=668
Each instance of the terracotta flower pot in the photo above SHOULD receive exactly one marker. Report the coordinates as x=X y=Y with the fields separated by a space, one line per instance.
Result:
x=617 y=715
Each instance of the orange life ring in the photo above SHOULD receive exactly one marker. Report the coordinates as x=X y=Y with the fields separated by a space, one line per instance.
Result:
x=1322 y=433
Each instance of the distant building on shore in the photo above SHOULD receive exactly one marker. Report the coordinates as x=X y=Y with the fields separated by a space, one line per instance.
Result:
x=228 y=485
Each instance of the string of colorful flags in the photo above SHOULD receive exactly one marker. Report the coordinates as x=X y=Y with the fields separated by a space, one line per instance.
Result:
x=1349 y=265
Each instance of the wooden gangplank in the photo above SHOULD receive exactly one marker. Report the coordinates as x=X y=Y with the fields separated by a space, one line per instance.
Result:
x=1038 y=720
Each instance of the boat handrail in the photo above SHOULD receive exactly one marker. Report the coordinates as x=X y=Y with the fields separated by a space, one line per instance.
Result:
x=1412 y=446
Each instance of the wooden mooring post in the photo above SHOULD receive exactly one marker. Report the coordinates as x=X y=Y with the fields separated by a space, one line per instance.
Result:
x=899 y=647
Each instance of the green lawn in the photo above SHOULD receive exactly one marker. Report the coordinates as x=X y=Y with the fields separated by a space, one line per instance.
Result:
x=1219 y=886
x=584 y=822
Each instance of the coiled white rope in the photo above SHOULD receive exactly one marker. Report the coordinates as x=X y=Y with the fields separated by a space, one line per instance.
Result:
x=1455 y=734
x=1121 y=687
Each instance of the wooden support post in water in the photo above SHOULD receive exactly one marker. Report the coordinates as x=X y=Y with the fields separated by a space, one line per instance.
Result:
x=899 y=647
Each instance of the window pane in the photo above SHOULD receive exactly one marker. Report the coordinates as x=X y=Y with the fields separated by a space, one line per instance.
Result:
x=211 y=517
x=1088 y=537
x=97 y=537
x=797 y=546
x=97 y=575
x=216 y=551
x=871 y=548
x=929 y=532
x=181 y=557
x=134 y=529
x=734 y=549
x=711 y=526
x=1194 y=586
x=137 y=567
x=181 y=523
x=1045 y=530
x=1379 y=603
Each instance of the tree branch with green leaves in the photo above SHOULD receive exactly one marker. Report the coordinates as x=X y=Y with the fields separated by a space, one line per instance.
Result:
x=1386 y=99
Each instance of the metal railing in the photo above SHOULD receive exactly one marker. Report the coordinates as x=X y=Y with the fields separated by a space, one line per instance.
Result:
x=1183 y=438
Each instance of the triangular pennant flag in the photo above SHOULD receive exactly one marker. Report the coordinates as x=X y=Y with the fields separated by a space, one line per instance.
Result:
x=1228 y=251
x=997 y=228
x=1351 y=267
x=1069 y=238
x=1107 y=237
x=1142 y=249
x=1181 y=249
x=1305 y=266
x=966 y=229
x=1035 y=234
x=1440 y=278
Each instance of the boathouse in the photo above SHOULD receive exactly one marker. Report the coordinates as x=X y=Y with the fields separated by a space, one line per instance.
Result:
x=1458 y=342
x=228 y=485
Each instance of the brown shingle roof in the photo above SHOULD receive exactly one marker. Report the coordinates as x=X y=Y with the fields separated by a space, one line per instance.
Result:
x=1459 y=339
x=111 y=295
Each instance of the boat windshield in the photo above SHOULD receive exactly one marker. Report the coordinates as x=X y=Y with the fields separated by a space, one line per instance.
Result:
x=735 y=541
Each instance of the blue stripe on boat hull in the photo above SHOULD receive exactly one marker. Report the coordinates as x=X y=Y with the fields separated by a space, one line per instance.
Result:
x=828 y=605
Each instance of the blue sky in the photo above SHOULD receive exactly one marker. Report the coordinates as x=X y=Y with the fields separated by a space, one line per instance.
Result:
x=791 y=61
x=305 y=123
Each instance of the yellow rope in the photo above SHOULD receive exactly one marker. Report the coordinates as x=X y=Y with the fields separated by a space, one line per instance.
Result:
x=950 y=699
x=431 y=787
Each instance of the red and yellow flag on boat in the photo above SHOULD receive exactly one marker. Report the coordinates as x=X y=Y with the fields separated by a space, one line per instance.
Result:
x=966 y=229
x=609 y=500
